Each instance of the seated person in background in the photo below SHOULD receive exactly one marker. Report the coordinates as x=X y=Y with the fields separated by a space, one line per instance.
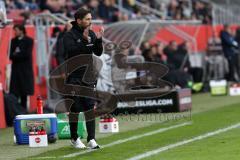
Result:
x=155 y=54
x=217 y=65
x=181 y=59
x=177 y=60
x=170 y=52
x=214 y=45
x=160 y=57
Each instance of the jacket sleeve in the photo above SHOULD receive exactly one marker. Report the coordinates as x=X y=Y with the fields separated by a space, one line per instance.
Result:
x=98 y=47
x=227 y=39
x=25 y=51
x=12 y=49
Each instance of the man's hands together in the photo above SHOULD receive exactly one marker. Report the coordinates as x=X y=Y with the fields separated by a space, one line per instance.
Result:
x=99 y=34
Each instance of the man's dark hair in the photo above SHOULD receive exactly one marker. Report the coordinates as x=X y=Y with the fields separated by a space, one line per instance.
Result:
x=20 y=27
x=81 y=13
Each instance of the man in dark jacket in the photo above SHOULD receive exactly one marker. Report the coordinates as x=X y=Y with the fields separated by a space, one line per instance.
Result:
x=228 y=44
x=170 y=52
x=81 y=40
x=22 y=81
x=60 y=53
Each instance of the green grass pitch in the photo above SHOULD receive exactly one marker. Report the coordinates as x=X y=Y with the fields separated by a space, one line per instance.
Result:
x=209 y=114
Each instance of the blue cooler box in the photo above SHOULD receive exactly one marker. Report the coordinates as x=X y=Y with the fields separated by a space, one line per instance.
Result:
x=23 y=123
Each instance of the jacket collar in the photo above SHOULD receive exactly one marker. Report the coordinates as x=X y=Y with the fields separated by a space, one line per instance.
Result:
x=77 y=27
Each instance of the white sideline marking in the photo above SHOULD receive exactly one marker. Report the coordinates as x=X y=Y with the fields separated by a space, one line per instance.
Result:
x=171 y=146
x=42 y=158
x=129 y=139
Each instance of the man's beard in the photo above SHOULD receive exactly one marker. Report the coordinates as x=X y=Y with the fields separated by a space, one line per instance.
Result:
x=84 y=27
x=88 y=25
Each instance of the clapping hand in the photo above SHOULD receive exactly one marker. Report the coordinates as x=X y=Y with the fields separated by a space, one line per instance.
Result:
x=100 y=33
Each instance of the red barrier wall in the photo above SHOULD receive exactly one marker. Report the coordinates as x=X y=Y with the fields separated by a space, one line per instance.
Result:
x=4 y=39
x=201 y=33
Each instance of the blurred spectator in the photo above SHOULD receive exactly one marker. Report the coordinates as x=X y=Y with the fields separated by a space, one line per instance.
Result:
x=186 y=9
x=55 y=6
x=217 y=65
x=60 y=56
x=108 y=10
x=137 y=13
x=195 y=63
x=160 y=56
x=22 y=81
x=148 y=55
x=174 y=56
x=53 y=59
x=26 y=4
x=172 y=8
x=153 y=53
x=237 y=37
x=178 y=63
x=122 y=17
x=129 y=4
x=203 y=11
x=170 y=52
x=145 y=46
x=228 y=45
x=194 y=16
x=56 y=32
x=93 y=6
x=181 y=59
x=214 y=45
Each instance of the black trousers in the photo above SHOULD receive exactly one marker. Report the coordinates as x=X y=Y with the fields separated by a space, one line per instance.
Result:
x=23 y=101
x=233 y=68
x=197 y=74
x=81 y=104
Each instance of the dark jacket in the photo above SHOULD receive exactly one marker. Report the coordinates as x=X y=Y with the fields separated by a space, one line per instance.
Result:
x=60 y=54
x=75 y=44
x=170 y=53
x=227 y=44
x=22 y=79
x=181 y=59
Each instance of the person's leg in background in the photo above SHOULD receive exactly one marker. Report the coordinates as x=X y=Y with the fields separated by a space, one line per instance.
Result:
x=236 y=68
x=230 y=76
x=199 y=75
x=23 y=102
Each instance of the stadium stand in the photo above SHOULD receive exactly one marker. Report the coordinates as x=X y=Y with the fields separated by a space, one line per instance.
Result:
x=113 y=10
